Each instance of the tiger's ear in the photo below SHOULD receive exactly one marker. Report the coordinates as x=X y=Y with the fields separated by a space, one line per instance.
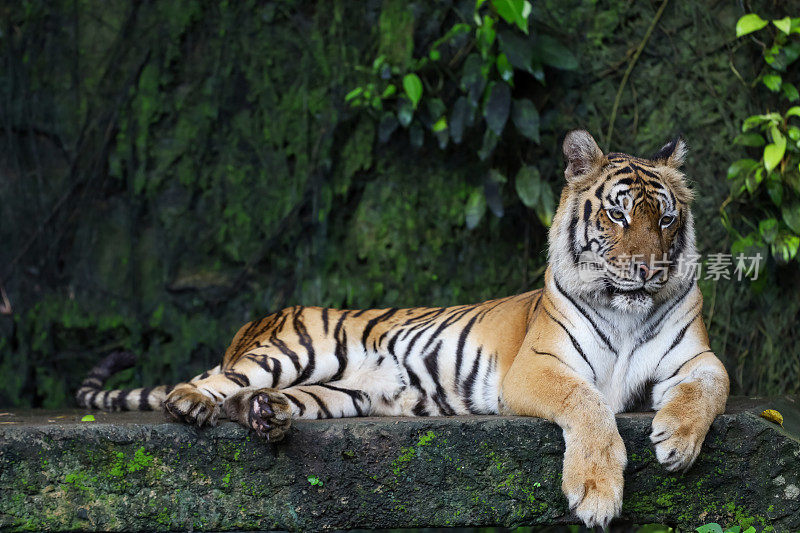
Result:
x=581 y=154
x=671 y=154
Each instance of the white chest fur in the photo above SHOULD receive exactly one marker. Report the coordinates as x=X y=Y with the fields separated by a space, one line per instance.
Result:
x=620 y=353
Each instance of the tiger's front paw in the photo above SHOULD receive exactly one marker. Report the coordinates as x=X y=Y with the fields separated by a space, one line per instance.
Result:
x=189 y=405
x=592 y=478
x=265 y=411
x=677 y=439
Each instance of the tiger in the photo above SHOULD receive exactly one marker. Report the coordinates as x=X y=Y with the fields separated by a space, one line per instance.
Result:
x=617 y=320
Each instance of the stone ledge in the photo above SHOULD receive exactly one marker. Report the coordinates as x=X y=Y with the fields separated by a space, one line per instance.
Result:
x=134 y=471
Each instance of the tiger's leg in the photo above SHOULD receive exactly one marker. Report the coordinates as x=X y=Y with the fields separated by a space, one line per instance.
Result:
x=192 y=405
x=269 y=411
x=198 y=402
x=276 y=362
x=687 y=403
x=295 y=346
x=540 y=384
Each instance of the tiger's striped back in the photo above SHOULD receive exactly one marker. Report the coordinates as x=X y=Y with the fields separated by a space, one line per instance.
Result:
x=442 y=361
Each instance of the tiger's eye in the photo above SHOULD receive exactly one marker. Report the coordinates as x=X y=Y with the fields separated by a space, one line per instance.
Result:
x=667 y=221
x=616 y=214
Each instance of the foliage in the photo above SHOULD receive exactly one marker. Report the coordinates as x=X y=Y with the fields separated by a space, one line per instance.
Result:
x=716 y=528
x=461 y=88
x=765 y=191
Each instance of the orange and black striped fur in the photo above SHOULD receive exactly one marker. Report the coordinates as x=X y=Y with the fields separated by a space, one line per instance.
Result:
x=618 y=317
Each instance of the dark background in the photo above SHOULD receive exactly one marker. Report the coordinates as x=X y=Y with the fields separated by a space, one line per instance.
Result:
x=170 y=170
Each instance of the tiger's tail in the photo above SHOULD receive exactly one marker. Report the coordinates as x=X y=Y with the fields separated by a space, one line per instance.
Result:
x=92 y=395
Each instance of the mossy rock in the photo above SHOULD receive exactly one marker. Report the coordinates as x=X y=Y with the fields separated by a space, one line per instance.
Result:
x=135 y=471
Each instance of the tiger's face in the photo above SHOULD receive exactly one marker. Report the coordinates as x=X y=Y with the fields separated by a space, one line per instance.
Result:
x=623 y=227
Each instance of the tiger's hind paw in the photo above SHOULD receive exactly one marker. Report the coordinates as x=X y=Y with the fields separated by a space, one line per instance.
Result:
x=189 y=405
x=265 y=411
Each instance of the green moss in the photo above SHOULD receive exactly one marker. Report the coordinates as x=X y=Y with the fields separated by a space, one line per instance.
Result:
x=140 y=461
x=411 y=452
x=426 y=439
x=80 y=480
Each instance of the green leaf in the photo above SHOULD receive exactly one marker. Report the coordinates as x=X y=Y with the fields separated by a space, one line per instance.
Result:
x=405 y=112
x=490 y=139
x=390 y=90
x=551 y=52
x=416 y=135
x=775 y=188
x=514 y=12
x=772 y=81
x=518 y=50
x=473 y=79
x=737 y=188
x=788 y=54
x=768 y=229
x=485 y=36
x=755 y=120
x=443 y=137
x=460 y=118
x=784 y=249
x=793 y=111
x=439 y=125
x=742 y=165
x=386 y=127
x=88 y=418
x=748 y=24
x=528 y=184
x=526 y=118
x=773 y=152
x=538 y=72
x=790 y=91
x=434 y=108
x=709 y=528
x=353 y=94
x=744 y=245
x=791 y=215
x=753 y=179
x=546 y=206
x=412 y=85
x=750 y=139
x=505 y=69
x=491 y=190
x=497 y=107
x=378 y=63
x=475 y=208
x=496 y=176
x=784 y=24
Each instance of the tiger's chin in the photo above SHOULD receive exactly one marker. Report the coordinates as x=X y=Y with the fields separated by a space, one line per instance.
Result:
x=638 y=301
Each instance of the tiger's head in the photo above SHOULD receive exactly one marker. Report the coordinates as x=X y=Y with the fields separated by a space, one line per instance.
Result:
x=623 y=230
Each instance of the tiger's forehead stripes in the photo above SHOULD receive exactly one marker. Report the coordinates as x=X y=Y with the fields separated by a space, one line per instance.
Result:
x=637 y=183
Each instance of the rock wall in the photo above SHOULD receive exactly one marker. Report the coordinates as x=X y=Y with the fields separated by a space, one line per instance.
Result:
x=137 y=472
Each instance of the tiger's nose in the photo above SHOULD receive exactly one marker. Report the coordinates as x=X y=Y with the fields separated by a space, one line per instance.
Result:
x=645 y=272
